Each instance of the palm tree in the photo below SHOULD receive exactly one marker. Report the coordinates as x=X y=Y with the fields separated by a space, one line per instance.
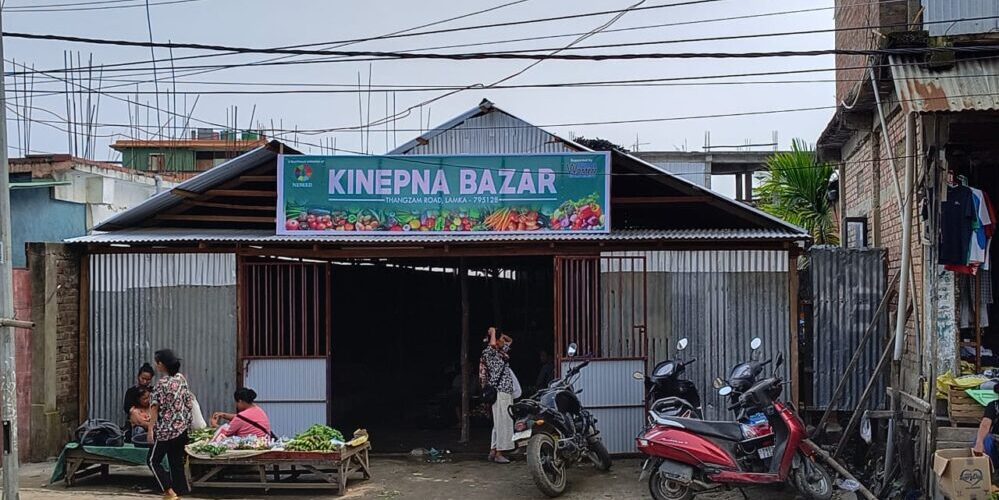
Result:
x=796 y=190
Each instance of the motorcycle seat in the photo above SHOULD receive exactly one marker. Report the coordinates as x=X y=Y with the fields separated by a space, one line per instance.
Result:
x=729 y=431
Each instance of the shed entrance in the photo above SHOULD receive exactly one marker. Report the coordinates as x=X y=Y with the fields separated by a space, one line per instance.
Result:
x=376 y=343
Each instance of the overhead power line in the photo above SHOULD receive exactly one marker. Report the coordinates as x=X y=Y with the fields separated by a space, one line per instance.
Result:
x=57 y=8
x=495 y=42
x=389 y=55
x=52 y=124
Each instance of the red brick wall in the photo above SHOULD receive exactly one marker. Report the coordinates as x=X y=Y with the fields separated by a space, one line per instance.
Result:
x=852 y=14
x=68 y=337
x=885 y=17
x=22 y=356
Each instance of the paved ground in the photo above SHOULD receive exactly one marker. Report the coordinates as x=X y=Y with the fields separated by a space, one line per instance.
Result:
x=395 y=479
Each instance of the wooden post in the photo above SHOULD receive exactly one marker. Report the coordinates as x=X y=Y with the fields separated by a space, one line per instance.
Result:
x=465 y=368
x=494 y=291
x=792 y=284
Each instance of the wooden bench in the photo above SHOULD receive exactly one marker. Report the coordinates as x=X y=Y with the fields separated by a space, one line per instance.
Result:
x=81 y=464
x=283 y=470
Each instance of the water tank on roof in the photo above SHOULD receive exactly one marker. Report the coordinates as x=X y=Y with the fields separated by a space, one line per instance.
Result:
x=205 y=134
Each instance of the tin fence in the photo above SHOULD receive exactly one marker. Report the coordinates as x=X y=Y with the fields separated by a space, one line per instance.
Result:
x=140 y=303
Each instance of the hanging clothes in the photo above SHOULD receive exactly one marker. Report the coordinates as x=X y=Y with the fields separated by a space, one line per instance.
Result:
x=967 y=289
x=958 y=215
x=977 y=255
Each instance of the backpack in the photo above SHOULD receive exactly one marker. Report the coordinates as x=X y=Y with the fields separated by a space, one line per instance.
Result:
x=100 y=432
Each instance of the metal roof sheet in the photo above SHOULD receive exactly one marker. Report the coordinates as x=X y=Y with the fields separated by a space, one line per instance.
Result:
x=185 y=235
x=968 y=85
x=197 y=184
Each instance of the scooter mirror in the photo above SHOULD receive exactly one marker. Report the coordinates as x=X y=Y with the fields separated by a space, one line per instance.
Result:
x=638 y=376
x=718 y=383
x=681 y=344
x=756 y=343
x=725 y=391
x=571 y=351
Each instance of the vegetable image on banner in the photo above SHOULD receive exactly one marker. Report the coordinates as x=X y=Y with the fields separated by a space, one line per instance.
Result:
x=566 y=192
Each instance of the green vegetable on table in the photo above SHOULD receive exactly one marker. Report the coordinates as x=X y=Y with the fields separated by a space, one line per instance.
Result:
x=201 y=434
x=210 y=449
x=316 y=438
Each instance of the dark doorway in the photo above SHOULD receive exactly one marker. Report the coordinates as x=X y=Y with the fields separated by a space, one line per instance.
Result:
x=396 y=337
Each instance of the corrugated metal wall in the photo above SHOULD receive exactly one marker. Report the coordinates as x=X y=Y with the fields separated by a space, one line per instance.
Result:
x=492 y=133
x=946 y=10
x=291 y=391
x=847 y=287
x=615 y=399
x=140 y=303
x=719 y=300
x=696 y=172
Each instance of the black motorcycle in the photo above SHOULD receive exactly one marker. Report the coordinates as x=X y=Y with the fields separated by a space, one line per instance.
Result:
x=557 y=431
x=743 y=376
x=668 y=393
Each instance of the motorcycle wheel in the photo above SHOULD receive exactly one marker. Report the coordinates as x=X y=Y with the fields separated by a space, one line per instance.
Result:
x=546 y=469
x=663 y=488
x=813 y=480
x=599 y=455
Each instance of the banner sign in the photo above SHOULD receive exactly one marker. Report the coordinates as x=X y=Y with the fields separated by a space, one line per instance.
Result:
x=568 y=193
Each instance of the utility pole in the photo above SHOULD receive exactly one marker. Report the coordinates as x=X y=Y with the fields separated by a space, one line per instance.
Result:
x=8 y=389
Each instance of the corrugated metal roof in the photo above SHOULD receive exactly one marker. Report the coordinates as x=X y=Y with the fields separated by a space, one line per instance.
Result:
x=470 y=132
x=198 y=184
x=185 y=235
x=973 y=16
x=971 y=85
x=199 y=144
x=512 y=135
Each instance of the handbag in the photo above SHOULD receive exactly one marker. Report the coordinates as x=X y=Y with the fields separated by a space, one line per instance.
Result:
x=489 y=392
x=197 y=418
x=517 y=391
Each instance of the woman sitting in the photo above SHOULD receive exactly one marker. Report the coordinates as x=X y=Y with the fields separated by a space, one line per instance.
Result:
x=139 y=418
x=249 y=419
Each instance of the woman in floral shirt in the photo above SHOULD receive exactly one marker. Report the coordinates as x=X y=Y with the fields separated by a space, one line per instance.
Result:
x=171 y=407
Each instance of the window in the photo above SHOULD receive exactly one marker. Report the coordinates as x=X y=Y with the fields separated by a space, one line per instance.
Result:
x=157 y=162
x=856 y=232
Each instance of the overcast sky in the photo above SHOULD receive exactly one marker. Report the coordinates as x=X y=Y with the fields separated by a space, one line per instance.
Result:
x=260 y=23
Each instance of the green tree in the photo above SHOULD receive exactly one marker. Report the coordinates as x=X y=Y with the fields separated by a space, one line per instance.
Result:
x=598 y=144
x=796 y=190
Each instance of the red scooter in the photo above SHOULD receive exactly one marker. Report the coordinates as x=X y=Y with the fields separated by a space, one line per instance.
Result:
x=689 y=456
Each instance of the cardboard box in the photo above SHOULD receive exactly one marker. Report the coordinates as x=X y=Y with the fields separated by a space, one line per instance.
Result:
x=963 y=474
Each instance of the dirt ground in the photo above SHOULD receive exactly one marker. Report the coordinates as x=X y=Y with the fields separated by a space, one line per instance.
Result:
x=394 y=478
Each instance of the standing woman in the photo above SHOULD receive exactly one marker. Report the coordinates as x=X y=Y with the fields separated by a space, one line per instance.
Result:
x=495 y=366
x=170 y=412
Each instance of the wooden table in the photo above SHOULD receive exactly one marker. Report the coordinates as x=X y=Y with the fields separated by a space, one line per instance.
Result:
x=283 y=469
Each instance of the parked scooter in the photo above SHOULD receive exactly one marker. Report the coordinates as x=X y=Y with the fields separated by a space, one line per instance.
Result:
x=688 y=456
x=667 y=392
x=557 y=431
x=744 y=375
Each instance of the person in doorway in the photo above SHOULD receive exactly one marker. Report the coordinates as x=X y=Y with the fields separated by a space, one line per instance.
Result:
x=249 y=419
x=547 y=371
x=495 y=361
x=171 y=414
x=140 y=419
x=142 y=381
